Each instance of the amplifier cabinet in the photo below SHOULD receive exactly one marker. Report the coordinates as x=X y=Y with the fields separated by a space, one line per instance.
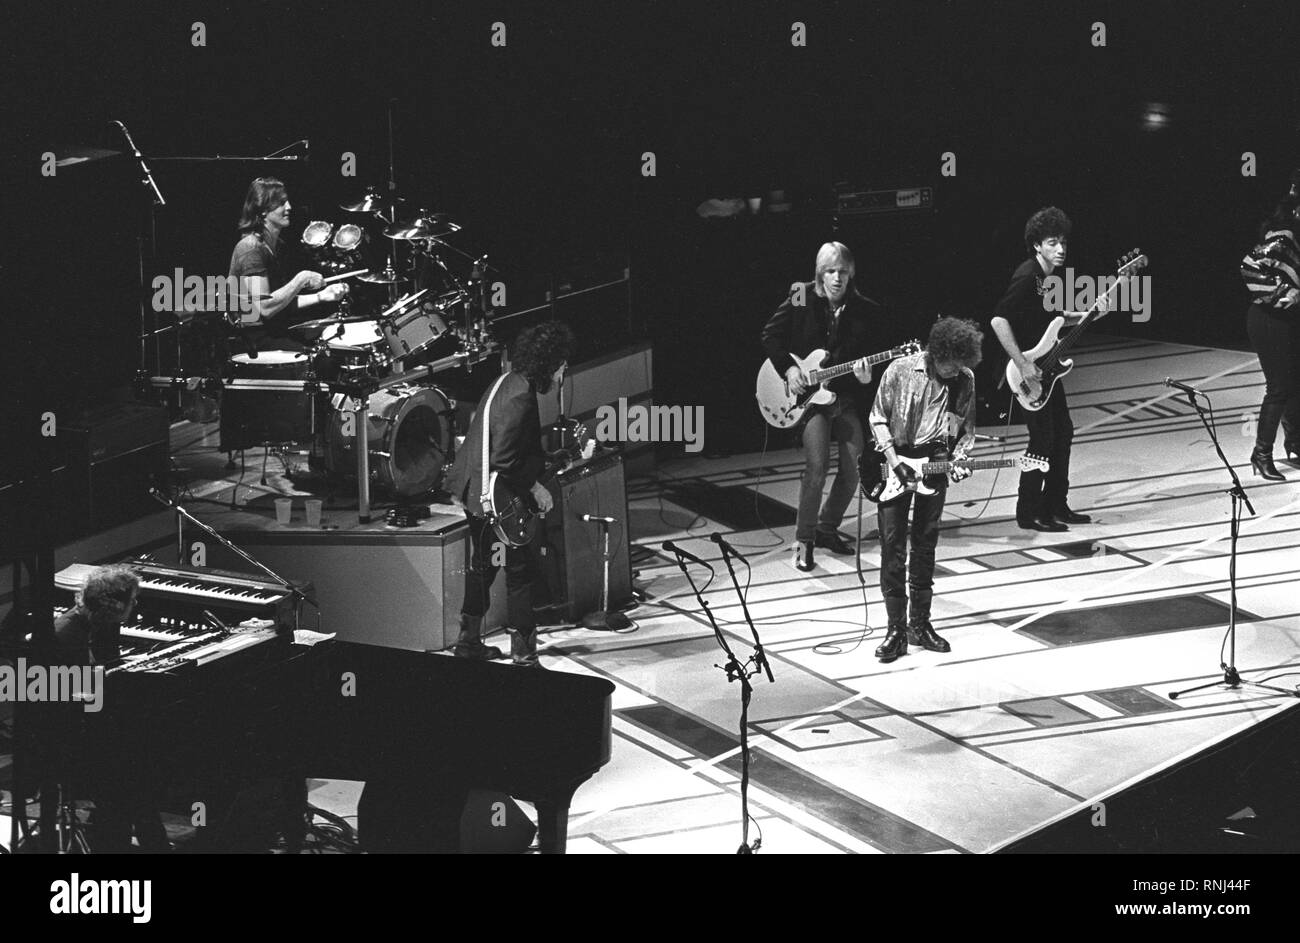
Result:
x=572 y=549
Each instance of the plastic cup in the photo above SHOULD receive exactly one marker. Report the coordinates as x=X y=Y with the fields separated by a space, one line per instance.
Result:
x=313 y=511
x=283 y=510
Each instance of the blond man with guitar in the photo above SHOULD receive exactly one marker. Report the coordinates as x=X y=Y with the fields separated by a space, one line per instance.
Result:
x=829 y=313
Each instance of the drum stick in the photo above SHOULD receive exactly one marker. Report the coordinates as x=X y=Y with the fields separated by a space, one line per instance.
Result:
x=403 y=302
x=338 y=278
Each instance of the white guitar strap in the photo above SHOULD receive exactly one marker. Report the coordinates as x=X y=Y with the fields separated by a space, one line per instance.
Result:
x=485 y=495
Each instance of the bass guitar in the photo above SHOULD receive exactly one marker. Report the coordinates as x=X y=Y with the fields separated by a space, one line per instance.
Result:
x=1048 y=354
x=782 y=408
x=930 y=472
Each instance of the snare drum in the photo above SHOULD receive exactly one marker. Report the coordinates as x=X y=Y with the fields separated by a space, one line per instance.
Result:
x=252 y=417
x=410 y=430
x=360 y=345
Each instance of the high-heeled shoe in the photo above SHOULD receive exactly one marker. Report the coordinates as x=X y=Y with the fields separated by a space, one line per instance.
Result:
x=1291 y=453
x=1261 y=463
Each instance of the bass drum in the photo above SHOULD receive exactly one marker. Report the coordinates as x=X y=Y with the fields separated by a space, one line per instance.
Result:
x=411 y=435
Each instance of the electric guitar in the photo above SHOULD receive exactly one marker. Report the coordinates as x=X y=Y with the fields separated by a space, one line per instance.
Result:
x=1034 y=394
x=778 y=403
x=511 y=513
x=931 y=471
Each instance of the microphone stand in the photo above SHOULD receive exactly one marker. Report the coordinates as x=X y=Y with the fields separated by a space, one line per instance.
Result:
x=156 y=200
x=735 y=671
x=1231 y=676
x=183 y=515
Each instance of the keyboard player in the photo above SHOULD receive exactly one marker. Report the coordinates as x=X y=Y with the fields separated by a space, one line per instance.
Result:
x=90 y=634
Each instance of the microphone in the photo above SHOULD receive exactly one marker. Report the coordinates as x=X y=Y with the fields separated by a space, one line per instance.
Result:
x=592 y=518
x=726 y=547
x=673 y=548
x=1178 y=385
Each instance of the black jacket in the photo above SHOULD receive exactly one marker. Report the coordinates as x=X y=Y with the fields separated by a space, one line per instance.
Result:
x=516 y=444
x=801 y=329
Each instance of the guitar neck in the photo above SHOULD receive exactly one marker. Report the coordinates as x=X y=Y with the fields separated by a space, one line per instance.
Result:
x=942 y=468
x=830 y=373
x=1065 y=343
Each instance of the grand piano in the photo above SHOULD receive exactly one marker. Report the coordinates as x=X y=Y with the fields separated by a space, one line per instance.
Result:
x=424 y=725
x=407 y=721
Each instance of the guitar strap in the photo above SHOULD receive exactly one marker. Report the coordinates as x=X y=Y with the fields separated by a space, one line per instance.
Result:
x=485 y=494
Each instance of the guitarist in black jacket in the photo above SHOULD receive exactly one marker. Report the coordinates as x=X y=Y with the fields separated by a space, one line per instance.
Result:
x=830 y=314
x=541 y=355
x=1021 y=319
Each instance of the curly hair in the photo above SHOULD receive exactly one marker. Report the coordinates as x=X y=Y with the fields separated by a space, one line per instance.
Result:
x=540 y=350
x=108 y=592
x=264 y=194
x=1047 y=222
x=955 y=340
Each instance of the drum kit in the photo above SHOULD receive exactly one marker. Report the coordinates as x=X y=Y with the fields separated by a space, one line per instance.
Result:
x=402 y=322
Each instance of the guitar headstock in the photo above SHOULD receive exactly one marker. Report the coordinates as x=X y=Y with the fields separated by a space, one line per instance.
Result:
x=1131 y=263
x=1031 y=462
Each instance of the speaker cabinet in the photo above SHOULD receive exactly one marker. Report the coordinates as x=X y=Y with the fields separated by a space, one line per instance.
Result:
x=573 y=549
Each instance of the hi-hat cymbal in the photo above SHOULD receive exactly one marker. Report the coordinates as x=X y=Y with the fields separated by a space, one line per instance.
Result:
x=427 y=226
x=326 y=322
x=384 y=278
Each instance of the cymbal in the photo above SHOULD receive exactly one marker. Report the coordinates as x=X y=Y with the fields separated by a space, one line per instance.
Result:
x=428 y=226
x=326 y=322
x=383 y=278
x=372 y=202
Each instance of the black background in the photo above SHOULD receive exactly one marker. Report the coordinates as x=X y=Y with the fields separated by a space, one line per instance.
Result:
x=537 y=148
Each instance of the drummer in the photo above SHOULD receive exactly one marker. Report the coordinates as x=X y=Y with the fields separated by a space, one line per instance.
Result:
x=258 y=263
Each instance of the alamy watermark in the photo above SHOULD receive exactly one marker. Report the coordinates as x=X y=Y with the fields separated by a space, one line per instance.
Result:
x=650 y=423
x=181 y=292
x=1129 y=293
x=73 y=684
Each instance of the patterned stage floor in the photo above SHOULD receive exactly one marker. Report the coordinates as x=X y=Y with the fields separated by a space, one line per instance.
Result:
x=1065 y=646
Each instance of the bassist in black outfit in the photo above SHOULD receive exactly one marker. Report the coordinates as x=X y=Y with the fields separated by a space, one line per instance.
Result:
x=541 y=354
x=1020 y=318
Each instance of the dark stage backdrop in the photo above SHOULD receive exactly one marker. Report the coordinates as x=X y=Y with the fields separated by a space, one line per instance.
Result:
x=537 y=145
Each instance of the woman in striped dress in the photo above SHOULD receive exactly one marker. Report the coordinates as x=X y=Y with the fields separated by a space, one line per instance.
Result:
x=1272 y=273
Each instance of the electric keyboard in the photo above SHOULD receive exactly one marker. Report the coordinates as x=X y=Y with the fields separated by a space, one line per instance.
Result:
x=167 y=591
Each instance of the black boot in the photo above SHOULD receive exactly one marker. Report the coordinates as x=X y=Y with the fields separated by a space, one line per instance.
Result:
x=469 y=644
x=919 y=630
x=1261 y=463
x=523 y=649
x=895 y=643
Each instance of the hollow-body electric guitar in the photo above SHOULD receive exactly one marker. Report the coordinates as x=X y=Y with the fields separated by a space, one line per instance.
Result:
x=1048 y=354
x=511 y=513
x=782 y=408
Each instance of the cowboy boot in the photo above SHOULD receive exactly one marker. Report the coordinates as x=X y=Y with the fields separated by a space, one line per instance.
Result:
x=523 y=649
x=895 y=643
x=469 y=644
x=919 y=630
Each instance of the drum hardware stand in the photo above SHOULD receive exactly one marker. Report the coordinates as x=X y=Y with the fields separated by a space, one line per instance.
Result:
x=1231 y=677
